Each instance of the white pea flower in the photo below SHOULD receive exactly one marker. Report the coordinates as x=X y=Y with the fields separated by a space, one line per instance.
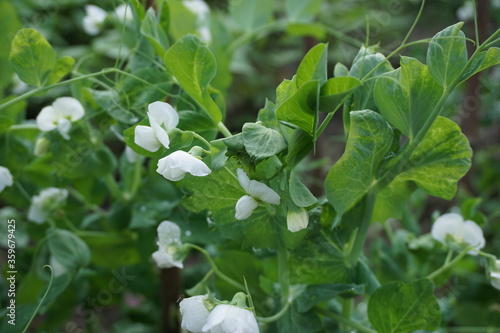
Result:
x=93 y=19
x=453 y=225
x=60 y=115
x=466 y=11
x=202 y=12
x=194 y=312
x=174 y=166
x=6 y=178
x=228 y=318
x=495 y=275
x=41 y=146
x=170 y=249
x=42 y=205
x=256 y=191
x=297 y=220
x=124 y=13
x=162 y=118
x=18 y=86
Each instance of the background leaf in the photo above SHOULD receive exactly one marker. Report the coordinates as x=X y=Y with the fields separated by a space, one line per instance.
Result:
x=398 y=307
x=32 y=57
x=407 y=96
x=447 y=54
x=370 y=138
x=194 y=66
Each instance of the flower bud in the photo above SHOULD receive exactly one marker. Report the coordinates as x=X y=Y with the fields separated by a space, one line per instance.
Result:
x=297 y=220
x=41 y=146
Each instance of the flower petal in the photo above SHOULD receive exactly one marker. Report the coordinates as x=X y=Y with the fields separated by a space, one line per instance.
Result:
x=145 y=137
x=64 y=126
x=245 y=206
x=447 y=224
x=297 y=220
x=6 y=178
x=69 y=108
x=257 y=189
x=168 y=233
x=174 y=166
x=161 y=134
x=194 y=313
x=216 y=318
x=47 y=119
x=164 y=114
x=473 y=235
x=165 y=260
x=240 y=320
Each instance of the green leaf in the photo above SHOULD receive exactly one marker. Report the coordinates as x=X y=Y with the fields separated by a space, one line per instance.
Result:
x=153 y=31
x=249 y=15
x=32 y=57
x=9 y=24
x=315 y=30
x=262 y=142
x=68 y=249
x=334 y=90
x=300 y=108
x=182 y=20
x=483 y=60
x=302 y=11
x=399 y=307
x=301 y=196
x=447 y=55
x=318 y=260
x=365 y=61
x=370 y=138
x=407 y=96
x=11 y=115
x=313 y=66
x=340 y=70
x=64 y=66
x=440 y=160
x=299 y=145
x=295 y=322
x=113 y=250
x=314 y=294
x=193 y=65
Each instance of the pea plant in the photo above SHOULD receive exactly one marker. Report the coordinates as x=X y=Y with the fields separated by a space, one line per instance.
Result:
x=134 y=166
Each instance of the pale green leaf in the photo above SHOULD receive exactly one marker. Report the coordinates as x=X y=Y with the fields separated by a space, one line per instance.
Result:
x=300 y=194
x=399 y=307
x=300 y=108
x=153 y=31
x=64 y=66
x=447 y=55
x=440 y=160
x=249 y=15
x=370 y=138
x=313 y=66
x=302 y=11
x=262 y=142
x=68 y=249
x=407 y=96
x=483 y=60
x=340 y=70
x=335 y=90
x=32 y=57
x=193 y=65
x=9 y=24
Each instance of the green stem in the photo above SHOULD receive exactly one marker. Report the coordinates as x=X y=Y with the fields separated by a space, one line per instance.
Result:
x=414 y=23
x=22 y=190
x=137 y=177
x=344 y=320
x=283 y=273
x=449 y=264
x=276 y=316
x=80 y=197
x=43 y=298
x=47 y=88
x=199 y=137
x=359 y=242
x=223 y=129
x=346 y=311
x=215 y=268
x=113 y=187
